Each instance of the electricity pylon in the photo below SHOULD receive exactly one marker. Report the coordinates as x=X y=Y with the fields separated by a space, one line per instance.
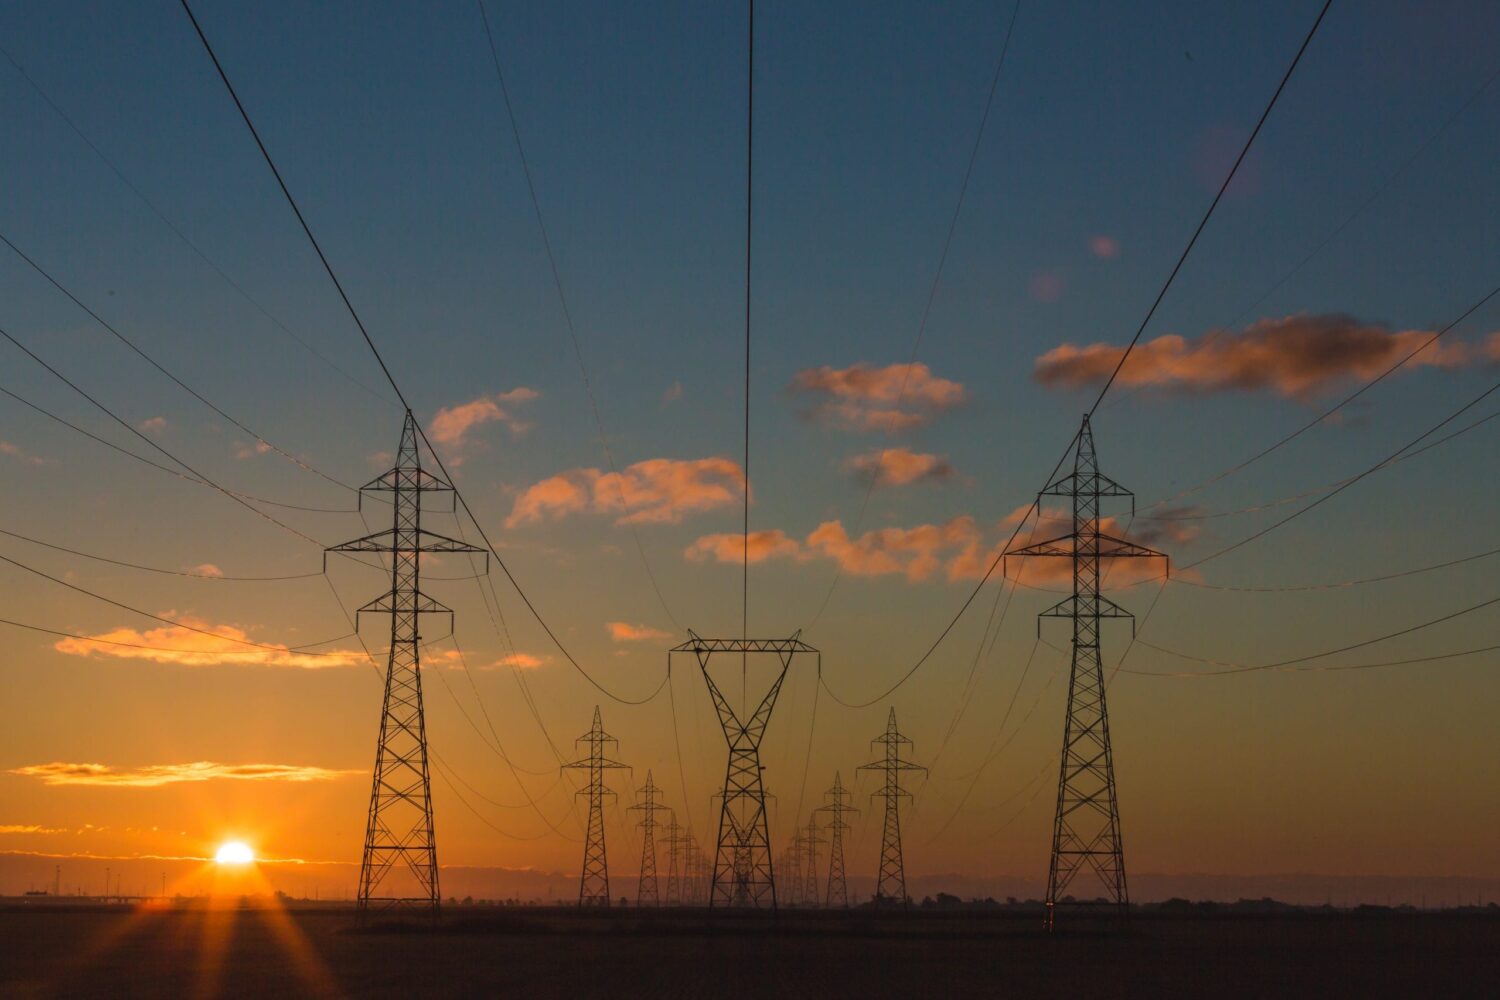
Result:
x=891 y=887
x=696 y=894
x=810 y=842
x=646 y=888
x=593 y=883
x=791 y=869
x=1086 y=828
x=398 y=868
x=743 y=875
x=675 y=840
x=838 y=885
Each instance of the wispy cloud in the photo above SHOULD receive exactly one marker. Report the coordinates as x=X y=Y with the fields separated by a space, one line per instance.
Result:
x=658 y=491
x=899 y=467
x=243 y=450
x=451 y=425
x=728 y=548
x=185 y=647
x=17 y=452
x=1104 y=247
x=26 y=828
x=626 y=632
x=672 y=394
x=152 y=425
x=890 y=399
x=1296 y=356
x=156 y=775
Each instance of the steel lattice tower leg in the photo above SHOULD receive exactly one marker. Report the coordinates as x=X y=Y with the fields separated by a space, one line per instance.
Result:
x=838 y=885
x=891 y=887
x=646 y=893
x=1086 y=825
x=593 y=882
x=398 y=867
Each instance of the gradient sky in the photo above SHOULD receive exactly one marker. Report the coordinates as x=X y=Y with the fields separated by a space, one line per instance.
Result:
x=1111 y=129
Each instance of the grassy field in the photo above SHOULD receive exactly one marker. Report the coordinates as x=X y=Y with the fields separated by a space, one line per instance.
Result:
x=81 y=952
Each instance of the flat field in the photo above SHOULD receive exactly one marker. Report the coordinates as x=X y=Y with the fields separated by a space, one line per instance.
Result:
x=61 y=951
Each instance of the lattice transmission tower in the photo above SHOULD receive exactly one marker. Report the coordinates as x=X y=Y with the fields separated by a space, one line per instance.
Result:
x=676 y=840
x=838 y=885
x=593 y=883
x=398 y=868
x=646 y=890
x=890 y=889
x=743 y=874
x=1086 y=827
x=809 y=862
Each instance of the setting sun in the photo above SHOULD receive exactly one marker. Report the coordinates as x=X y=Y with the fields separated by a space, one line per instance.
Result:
x=234 y=853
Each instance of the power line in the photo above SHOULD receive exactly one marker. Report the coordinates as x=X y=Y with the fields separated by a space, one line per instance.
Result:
x=176 y=231
x=937 y=277
x=156 y=569
x=370 y=343
x=163 y=370
x=567 y=312
x=1304 y=669
x=1203 y=223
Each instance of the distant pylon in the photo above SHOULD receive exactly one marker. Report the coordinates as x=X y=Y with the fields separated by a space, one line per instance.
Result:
x=399 y=865
x=676 y=840
x=791 y=870
x=593 y=883
x=838 y=885
x=646 y=893
x=810 y=842
x=1086 y=827
x=743 y=874
x=890 y=889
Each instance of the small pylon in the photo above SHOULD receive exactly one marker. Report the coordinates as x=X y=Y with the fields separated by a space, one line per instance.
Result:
x=838 y=885
x=1086 y=826
x=675 y=841
x=810 y=842
x=593 y=883
x=399 y=866
x=890 y=889
x=646 y=893
x=791 y=870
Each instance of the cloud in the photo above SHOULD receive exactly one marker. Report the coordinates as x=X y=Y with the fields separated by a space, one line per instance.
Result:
x=672 y=394
x=156 y=775
x=521 y=661
x=726 y=548
x=915 y=552
x=1046 y=286
x=626 y=632
x=1491 y=348
x=184 y=647
x=17 y=452
x=890 y=399
x=206 y=569
x=656 y=491
x=26 y=828
x=1105 y=247
x=452 y=424
x=899 y=467
x=1296 y=356
x=243 y=451
x=152 y=425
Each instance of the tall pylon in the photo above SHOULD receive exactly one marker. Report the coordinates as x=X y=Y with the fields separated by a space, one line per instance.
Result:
x=593 y=882
x=743 y=874
x=837 y=806
x=890 y=889
x=809 y=863
x=1086 y=827
x=646 y=890
x=398 y=868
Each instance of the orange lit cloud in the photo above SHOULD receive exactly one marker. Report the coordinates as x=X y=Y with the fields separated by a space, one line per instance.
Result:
x=17 y=452
x=1491 y=348
x=1106 y=247
x=626 y=632
x=206 y=569
x=890 y=399
x=243 y=451
x=452 y=424
x=656 y=491
x=899 y=467
x=1296 y=356
x=521 y=661
x=26 y=828
x=727 y=548
x=184 y=647
x=156 y=775
x=915 y=552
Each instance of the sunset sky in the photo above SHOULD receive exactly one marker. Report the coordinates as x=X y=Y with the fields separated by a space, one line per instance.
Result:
x=1365 y=218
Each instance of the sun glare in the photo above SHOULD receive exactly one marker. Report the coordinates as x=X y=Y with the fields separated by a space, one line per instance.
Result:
x=234 y=853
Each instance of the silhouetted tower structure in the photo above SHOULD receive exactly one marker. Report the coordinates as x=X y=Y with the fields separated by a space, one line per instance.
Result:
x=399 y=866
x=1086 y=829
x=890 y=888
x=646 y=890
x=791 y=867
x=676 y=840
x=810 y=842
x=593 y=882
x=743 y=874
x=838 y=885
x=697 y=881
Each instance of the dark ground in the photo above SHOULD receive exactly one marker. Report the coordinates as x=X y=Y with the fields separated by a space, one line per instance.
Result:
x=82 y=952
